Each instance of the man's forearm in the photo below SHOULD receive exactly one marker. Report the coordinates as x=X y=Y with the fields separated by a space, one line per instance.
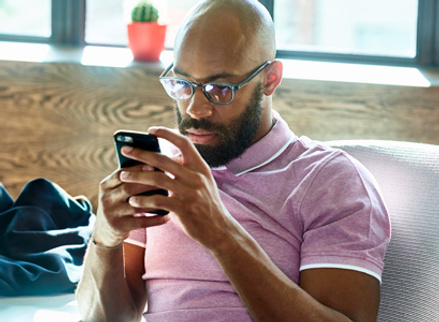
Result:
x=103 y=293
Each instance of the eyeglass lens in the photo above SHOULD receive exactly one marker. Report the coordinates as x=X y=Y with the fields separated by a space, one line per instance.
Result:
x=218 y=92
x=182 y=90
x=178 y=89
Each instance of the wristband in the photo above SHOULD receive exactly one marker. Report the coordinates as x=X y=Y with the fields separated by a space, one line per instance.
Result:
x=105 y=247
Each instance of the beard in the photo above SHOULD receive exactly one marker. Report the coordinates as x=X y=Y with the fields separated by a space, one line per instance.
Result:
x=234 y=138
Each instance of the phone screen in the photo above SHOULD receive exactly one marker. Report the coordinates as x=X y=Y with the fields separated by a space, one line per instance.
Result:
x=143 y=141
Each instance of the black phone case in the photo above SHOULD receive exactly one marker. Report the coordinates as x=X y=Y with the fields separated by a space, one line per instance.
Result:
x=143 y=141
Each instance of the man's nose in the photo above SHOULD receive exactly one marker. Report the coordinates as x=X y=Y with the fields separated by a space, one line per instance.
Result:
x=199 y=105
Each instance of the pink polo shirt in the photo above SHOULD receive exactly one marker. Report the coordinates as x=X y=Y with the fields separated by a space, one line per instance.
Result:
x=306 y=204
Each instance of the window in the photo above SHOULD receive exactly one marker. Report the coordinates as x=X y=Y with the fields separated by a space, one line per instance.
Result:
x=25 y=18
x=377 y=31
x=362 y=27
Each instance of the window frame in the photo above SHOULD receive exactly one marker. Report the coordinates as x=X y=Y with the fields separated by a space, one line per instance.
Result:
x=68 y=28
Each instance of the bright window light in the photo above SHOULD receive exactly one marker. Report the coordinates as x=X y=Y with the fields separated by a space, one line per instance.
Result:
x=104 y=56
x=24 y=51
x=404 y=76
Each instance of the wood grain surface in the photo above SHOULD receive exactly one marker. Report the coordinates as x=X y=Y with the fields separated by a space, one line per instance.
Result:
x=57 y=119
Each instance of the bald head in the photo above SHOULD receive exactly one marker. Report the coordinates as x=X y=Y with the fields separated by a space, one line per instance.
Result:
x=232 y=29
x=227 y=41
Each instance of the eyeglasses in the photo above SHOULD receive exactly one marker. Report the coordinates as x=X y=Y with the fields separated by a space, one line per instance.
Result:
x=221 y=93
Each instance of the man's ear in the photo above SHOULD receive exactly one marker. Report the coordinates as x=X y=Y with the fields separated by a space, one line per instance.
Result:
x=273 y=77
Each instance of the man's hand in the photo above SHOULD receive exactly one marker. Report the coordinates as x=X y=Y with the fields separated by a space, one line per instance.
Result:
x=115 y=216
x=193 y=194
x=111 y=287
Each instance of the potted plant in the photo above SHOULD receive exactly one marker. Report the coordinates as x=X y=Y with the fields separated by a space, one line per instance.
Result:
x=146 y=36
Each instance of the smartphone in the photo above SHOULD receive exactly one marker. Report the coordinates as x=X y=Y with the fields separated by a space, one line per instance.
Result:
x=143 y=141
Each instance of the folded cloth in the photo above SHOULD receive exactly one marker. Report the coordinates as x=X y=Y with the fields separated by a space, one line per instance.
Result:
x=5 y=199
x=43 y=238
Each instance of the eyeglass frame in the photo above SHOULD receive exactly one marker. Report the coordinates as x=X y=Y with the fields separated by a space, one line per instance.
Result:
x=194 y=85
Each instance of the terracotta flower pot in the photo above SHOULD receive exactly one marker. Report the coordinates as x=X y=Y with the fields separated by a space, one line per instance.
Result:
x=146 y=40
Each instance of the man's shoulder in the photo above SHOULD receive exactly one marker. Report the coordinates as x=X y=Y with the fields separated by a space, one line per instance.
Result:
x=309 y=159
x=308 y=151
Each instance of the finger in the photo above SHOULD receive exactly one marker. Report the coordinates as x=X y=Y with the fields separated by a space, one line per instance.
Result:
x=113 y=180
x=133 y=222
x=114 y=202
x=148 y=181
x=143 y=156
x=160 y=161
x=115 y=199
x=189 y=173
x=120 y=217
x=128 y=190
x=152 y=202
x=189 y=152
x=143 y=221
x=176 y=178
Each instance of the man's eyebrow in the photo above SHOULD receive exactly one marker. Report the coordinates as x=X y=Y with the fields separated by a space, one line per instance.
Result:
x=209 y=78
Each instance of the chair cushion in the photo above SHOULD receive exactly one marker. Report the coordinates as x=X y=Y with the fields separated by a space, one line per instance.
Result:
x=408 y=176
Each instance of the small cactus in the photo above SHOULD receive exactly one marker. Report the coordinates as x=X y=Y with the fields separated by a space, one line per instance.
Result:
x=145 y=11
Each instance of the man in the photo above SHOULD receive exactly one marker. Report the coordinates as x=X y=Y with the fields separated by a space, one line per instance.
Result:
x=263 y=225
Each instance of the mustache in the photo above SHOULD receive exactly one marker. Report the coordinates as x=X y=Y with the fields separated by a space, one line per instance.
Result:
x=185 y=123
x=197 y=124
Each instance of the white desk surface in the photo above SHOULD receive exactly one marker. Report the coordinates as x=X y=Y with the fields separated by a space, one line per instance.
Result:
x=39 y=308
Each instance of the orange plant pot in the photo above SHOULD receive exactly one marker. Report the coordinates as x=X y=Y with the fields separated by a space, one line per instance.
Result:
x=146 y=40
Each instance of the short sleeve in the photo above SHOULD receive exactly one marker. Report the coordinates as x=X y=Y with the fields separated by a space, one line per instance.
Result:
x=345 y=220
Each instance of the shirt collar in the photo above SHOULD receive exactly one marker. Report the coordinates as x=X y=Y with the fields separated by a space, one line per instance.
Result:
x=263 y=151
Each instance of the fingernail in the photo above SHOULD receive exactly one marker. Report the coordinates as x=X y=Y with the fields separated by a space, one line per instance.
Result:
x=152 y=130
x=124 y=175
x=147 y=168
x=127 y=149
x=132 y=201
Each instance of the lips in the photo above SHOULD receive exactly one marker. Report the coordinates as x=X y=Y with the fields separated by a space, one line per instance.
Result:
x=200 y=136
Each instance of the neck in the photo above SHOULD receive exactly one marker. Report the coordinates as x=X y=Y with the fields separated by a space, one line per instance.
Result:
x=267 y=123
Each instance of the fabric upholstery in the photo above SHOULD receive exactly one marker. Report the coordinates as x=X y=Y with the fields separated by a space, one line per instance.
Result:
x=408 y=175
